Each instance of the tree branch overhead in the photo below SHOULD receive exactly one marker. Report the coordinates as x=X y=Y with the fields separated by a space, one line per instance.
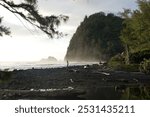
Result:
x=28 y=10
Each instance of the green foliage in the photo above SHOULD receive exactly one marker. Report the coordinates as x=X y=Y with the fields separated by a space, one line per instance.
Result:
x=116 y=60
x=145 y=66
x=136 y=31
x=118 y=63
x=139 y=56
x=97 y=38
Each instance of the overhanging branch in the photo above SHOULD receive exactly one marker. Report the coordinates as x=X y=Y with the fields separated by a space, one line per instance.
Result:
x=46 y=24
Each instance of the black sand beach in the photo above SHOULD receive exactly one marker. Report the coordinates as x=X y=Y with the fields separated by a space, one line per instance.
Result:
x=78 y=82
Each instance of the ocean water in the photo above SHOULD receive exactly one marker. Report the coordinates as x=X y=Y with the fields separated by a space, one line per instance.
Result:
x=10 y=66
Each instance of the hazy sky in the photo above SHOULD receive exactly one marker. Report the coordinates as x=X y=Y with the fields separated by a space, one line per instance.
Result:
x=32 y=44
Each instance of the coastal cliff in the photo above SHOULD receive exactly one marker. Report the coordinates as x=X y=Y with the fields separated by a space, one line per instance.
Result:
x=97 y=38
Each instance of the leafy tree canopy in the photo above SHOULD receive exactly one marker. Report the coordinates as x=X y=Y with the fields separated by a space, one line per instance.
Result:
x=136 y=32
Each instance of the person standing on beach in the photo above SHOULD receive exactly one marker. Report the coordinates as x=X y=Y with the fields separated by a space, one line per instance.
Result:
x=67 y=63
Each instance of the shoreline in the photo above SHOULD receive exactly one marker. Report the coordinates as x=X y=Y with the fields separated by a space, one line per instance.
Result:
x=37 y=65
x=87 y=82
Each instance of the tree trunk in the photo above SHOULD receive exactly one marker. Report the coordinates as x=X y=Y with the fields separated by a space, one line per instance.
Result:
x=127 y=60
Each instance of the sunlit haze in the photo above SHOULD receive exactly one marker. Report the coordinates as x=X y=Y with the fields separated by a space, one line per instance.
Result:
x=29 y=44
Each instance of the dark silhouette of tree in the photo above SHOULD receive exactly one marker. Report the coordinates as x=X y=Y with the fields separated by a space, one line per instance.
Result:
x=3 y=29
x=28 y=10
